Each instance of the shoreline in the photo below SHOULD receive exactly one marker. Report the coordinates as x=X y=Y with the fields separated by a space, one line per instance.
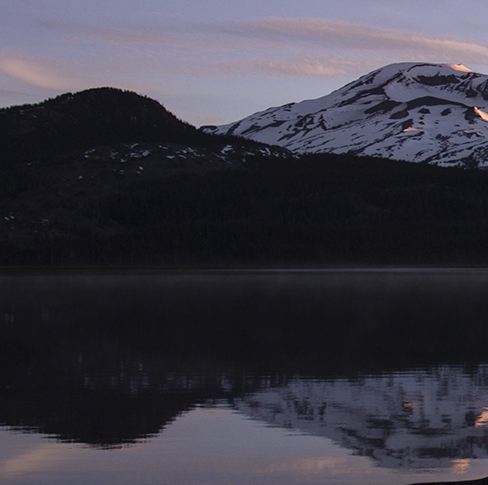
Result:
x=145 y=269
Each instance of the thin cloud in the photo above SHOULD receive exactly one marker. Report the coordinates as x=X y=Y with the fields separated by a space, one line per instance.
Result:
x=141 y=37
x=110 y=35
x=65 y=76
x=295 y=66
x=39 y=74
x=301 y=67
x=276 y=34
x=326 y=34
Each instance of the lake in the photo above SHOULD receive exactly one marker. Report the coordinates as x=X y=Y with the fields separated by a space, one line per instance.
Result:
x=186 y=377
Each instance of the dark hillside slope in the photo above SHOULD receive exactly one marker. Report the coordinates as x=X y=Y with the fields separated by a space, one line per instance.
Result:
x=89 y=118
x=92 y=118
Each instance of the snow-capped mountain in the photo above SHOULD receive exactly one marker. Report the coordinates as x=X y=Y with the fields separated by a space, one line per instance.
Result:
x=435 y=113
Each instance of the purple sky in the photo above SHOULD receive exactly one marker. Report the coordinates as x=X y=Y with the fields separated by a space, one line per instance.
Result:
x=216 y=61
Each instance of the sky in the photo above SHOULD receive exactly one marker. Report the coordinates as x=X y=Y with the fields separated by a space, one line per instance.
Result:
x=218 y=61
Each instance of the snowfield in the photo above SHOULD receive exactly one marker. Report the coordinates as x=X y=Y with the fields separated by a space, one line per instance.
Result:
x=435 y=113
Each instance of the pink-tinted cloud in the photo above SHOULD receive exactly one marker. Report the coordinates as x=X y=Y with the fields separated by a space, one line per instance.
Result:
x=294 y=66
x=132 y=36
x=61 y=76
x=301 y=67
x=277 y=34
x=281 y=32
x=105 y=33
x=44 y=75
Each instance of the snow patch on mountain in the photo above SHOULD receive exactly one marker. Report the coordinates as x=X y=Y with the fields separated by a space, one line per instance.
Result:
x=460 y=67
x=435 y=113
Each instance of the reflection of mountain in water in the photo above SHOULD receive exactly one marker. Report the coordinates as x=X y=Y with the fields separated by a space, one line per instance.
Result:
x=108 y=359
x=407 y=420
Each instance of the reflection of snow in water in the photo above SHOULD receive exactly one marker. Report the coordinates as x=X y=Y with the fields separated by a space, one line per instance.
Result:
x=416 y=419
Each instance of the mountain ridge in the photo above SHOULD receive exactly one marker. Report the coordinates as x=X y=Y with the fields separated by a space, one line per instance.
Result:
x=434 y=113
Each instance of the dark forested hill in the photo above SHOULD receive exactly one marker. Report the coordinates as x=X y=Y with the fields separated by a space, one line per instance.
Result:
x=86 y=119
x=110 y=177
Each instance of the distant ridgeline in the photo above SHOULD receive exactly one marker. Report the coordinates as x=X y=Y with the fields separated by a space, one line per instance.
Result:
x=108 y=177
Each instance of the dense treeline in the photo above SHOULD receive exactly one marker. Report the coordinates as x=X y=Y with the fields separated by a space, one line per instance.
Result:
x=319 y=209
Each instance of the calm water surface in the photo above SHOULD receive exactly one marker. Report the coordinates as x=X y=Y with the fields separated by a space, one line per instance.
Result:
x=262 y=377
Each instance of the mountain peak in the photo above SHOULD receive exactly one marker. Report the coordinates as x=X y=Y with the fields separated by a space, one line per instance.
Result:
x=419 y=112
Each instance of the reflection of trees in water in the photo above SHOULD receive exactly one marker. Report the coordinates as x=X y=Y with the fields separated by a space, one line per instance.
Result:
x=111 y=359
x=102 y=418
x=110 y=400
